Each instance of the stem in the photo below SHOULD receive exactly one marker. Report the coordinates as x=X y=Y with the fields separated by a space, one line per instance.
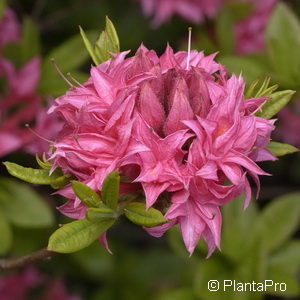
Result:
x=19 y=262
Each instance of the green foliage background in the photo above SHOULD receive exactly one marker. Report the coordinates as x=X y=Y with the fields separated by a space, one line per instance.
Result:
x=259 y=243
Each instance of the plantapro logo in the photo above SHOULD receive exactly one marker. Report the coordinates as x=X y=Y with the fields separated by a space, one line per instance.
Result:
x=228 y=285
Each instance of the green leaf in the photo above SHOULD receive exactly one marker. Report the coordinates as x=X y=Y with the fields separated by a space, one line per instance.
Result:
x=101 y=212
x=282 y=39
x=112 y=33
x=89 y=47
x=44 y=164
x=136 y=212
x=30 y=43
x=61 y=181
x=281 y=276
x=6 y=236
x=250 y=89
x=224 y=30
x=276 y=102
x=77 y=235
x=287 y=258
x=237 y=223
x=278 y=221
x=101 y=47
x=265 y=89
x=23 y=206
x=37 y=176
x=87 y=195
x=108 y=42
x=280 y=149
x=110 y=189
x=253 y=267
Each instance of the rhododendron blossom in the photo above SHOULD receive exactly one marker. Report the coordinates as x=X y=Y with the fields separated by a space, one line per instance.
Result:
x=289 y=119
x=249 y=32
x=9 y=28
x=176 y=126
x=191 y=10
x=29 y=282
x=21 y=104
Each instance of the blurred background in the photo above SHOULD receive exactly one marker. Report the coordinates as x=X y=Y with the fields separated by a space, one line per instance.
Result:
x=257 y=38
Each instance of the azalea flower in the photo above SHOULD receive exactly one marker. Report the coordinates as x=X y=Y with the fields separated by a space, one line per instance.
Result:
x=289 y=119
x=20 y=100
x=21 y=104
x=9 y=28
x=21 y=285
x=177 y=126
x=249 y=32
x=192 y=10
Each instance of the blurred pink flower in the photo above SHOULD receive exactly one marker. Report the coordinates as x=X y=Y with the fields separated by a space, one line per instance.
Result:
x=56 y=289
x=19 y=286
x=16 y=286
x=20 y=100
x=9 y=28
x=21 y=104
x=249 y=32
x=192 y=10
x=47 y=128
x=289 y=124
x=175 y=124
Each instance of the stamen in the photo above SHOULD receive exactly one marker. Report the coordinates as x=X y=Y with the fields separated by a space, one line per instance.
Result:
x=259 y=108
x=38 y=135
x=74 y=79
x=189 y=49
x=60 y=72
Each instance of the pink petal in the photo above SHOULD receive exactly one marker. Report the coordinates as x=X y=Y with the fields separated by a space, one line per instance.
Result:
x=9 y=143
x=180 y=110
x=104 y=243
x=150 y=107
x=152 y=191
x=158 y=231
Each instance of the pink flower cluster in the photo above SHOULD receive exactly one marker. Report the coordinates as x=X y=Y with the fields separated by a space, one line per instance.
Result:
x=9 y=28
x=176 y=126
x=20 y=101
x=289 y=122
x=191 y=10
x=249 y=32
x=19 y=286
